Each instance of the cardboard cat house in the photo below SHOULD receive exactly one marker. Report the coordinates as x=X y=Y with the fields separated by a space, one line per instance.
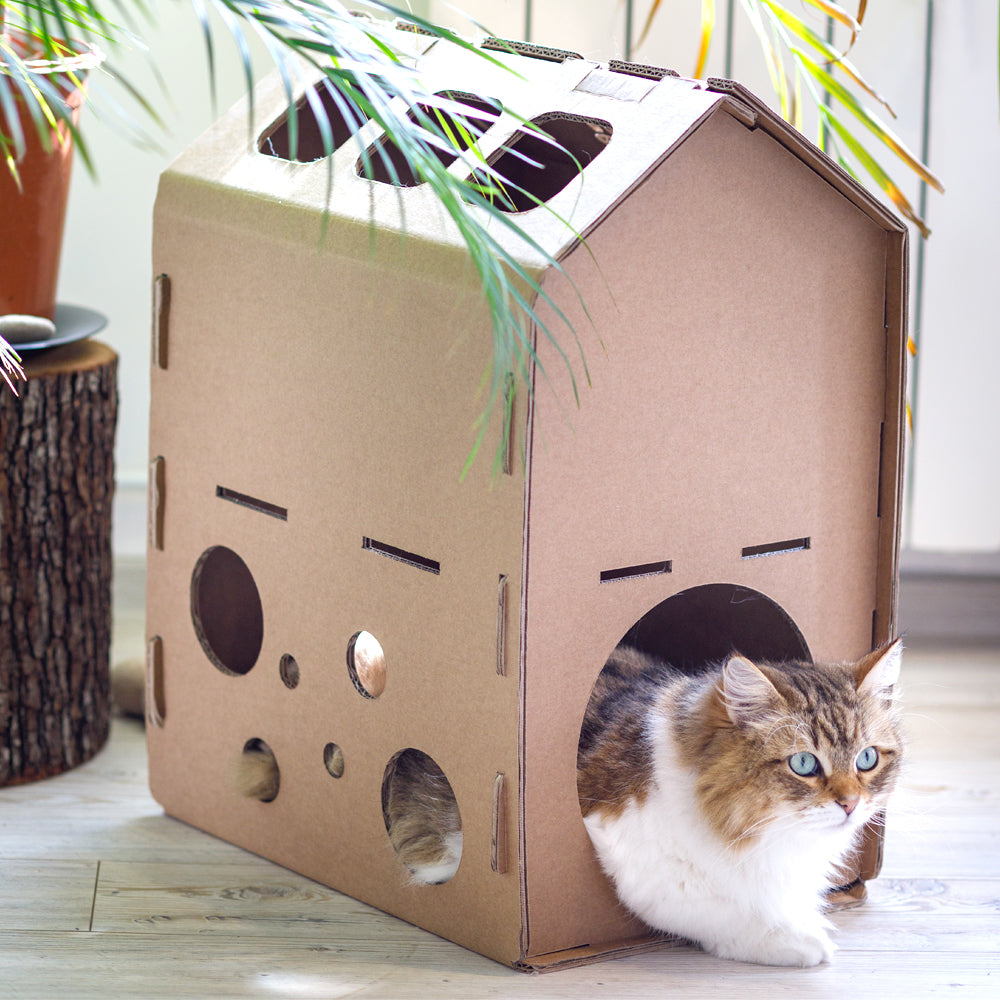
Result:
x=730 y=479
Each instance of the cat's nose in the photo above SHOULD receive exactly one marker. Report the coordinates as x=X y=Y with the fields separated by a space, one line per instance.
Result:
x=849 y=803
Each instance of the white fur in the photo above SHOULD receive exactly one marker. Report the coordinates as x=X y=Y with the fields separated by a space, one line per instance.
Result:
x=443 y=869
x=756 y=902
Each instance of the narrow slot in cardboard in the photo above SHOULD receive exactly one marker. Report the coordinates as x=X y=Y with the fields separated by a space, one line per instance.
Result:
x=498 y=841
x=502 y=626
x=632 y=572
x=161 y=320
x=881 y=462
x=776 y=548
x=401 y=555
x=252 y=503
x=310 y=144
x=157 y=500
x=156 y=706
x=531 y=168
x=508 y=426
x=385 y=163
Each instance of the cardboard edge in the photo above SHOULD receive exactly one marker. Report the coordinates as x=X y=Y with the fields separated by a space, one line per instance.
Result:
x=808 y=153
x=894 y=435
x=588 y=955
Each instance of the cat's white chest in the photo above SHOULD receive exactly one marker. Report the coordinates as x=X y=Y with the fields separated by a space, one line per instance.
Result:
x=670 y=867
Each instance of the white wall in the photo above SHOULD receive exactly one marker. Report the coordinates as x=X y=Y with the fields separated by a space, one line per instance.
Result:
x=955 y=461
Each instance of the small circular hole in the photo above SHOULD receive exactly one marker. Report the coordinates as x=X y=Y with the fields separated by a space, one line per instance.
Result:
x=333 y=758
x=366 y=664
x=289 y=670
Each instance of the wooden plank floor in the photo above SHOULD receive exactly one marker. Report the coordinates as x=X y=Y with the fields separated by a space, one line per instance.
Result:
x=101 y=895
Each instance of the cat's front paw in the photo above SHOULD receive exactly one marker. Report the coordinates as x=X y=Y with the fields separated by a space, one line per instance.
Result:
x=799 y=948
x=783 y=946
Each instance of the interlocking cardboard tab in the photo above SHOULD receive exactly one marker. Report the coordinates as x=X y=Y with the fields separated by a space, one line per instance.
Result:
x=730 y=477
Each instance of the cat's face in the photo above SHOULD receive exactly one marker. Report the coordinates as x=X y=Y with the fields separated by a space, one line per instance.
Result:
x=815 y=747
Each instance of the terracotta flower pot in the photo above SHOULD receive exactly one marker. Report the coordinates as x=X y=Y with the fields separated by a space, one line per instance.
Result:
x=32 y=216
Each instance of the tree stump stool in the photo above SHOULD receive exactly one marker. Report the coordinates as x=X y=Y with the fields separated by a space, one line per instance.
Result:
x=56 y=490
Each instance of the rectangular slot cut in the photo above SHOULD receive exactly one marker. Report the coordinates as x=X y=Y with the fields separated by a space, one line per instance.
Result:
x=881 y=466
x=534 y=166
x=498 y=842
x=502 y=626
x=161 y=319
x=508 y=424
x=157 y=500
x=384 y=162
x=156 y=711
x=776 y=548
x=633 y=572
x=306 y=142
x=254 y=503
x=401 y=555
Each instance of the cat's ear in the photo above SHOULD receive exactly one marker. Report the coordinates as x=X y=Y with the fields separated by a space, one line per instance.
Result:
x=877 y=672
x=748 y=696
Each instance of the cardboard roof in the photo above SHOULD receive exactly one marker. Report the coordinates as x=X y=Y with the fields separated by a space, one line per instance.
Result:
x=650 y=118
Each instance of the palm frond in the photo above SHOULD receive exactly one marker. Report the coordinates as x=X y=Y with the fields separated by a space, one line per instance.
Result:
x=366 y=76
x=10 y=365
x=785 y=34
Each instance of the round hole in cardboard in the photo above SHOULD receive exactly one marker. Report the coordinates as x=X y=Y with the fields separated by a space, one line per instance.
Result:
x=705 y=624
x=333 y=758
x=257 y=774
x=422 y=817
x=226 y=610
x=288 y=668
x=366 y=664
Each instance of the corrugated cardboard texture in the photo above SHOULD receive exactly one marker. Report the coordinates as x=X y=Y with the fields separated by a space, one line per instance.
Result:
x=313 y=404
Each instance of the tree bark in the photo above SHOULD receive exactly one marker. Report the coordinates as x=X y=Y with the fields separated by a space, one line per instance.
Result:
x=56 y=491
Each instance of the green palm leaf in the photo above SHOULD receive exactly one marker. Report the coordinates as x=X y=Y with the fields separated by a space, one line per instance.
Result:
x=367 y=77
x=781 y=32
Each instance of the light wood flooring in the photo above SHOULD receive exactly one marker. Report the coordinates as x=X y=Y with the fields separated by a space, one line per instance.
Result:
x=101 y=895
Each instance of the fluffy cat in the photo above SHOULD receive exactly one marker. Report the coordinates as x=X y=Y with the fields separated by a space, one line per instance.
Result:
x=720 y=804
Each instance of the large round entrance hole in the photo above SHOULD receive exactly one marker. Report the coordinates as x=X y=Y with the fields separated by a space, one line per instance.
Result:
x=226 y=610
x=706 y=624
x=421 y=817
x=691 y=632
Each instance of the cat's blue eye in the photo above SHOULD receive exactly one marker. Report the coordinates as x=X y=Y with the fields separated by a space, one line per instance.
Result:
x=804 y=764
x=867 y=759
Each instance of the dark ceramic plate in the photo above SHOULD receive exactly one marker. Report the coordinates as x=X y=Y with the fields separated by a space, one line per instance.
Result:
x=72 y=323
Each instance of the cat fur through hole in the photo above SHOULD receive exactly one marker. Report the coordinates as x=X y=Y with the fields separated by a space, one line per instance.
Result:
x=721 y=804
